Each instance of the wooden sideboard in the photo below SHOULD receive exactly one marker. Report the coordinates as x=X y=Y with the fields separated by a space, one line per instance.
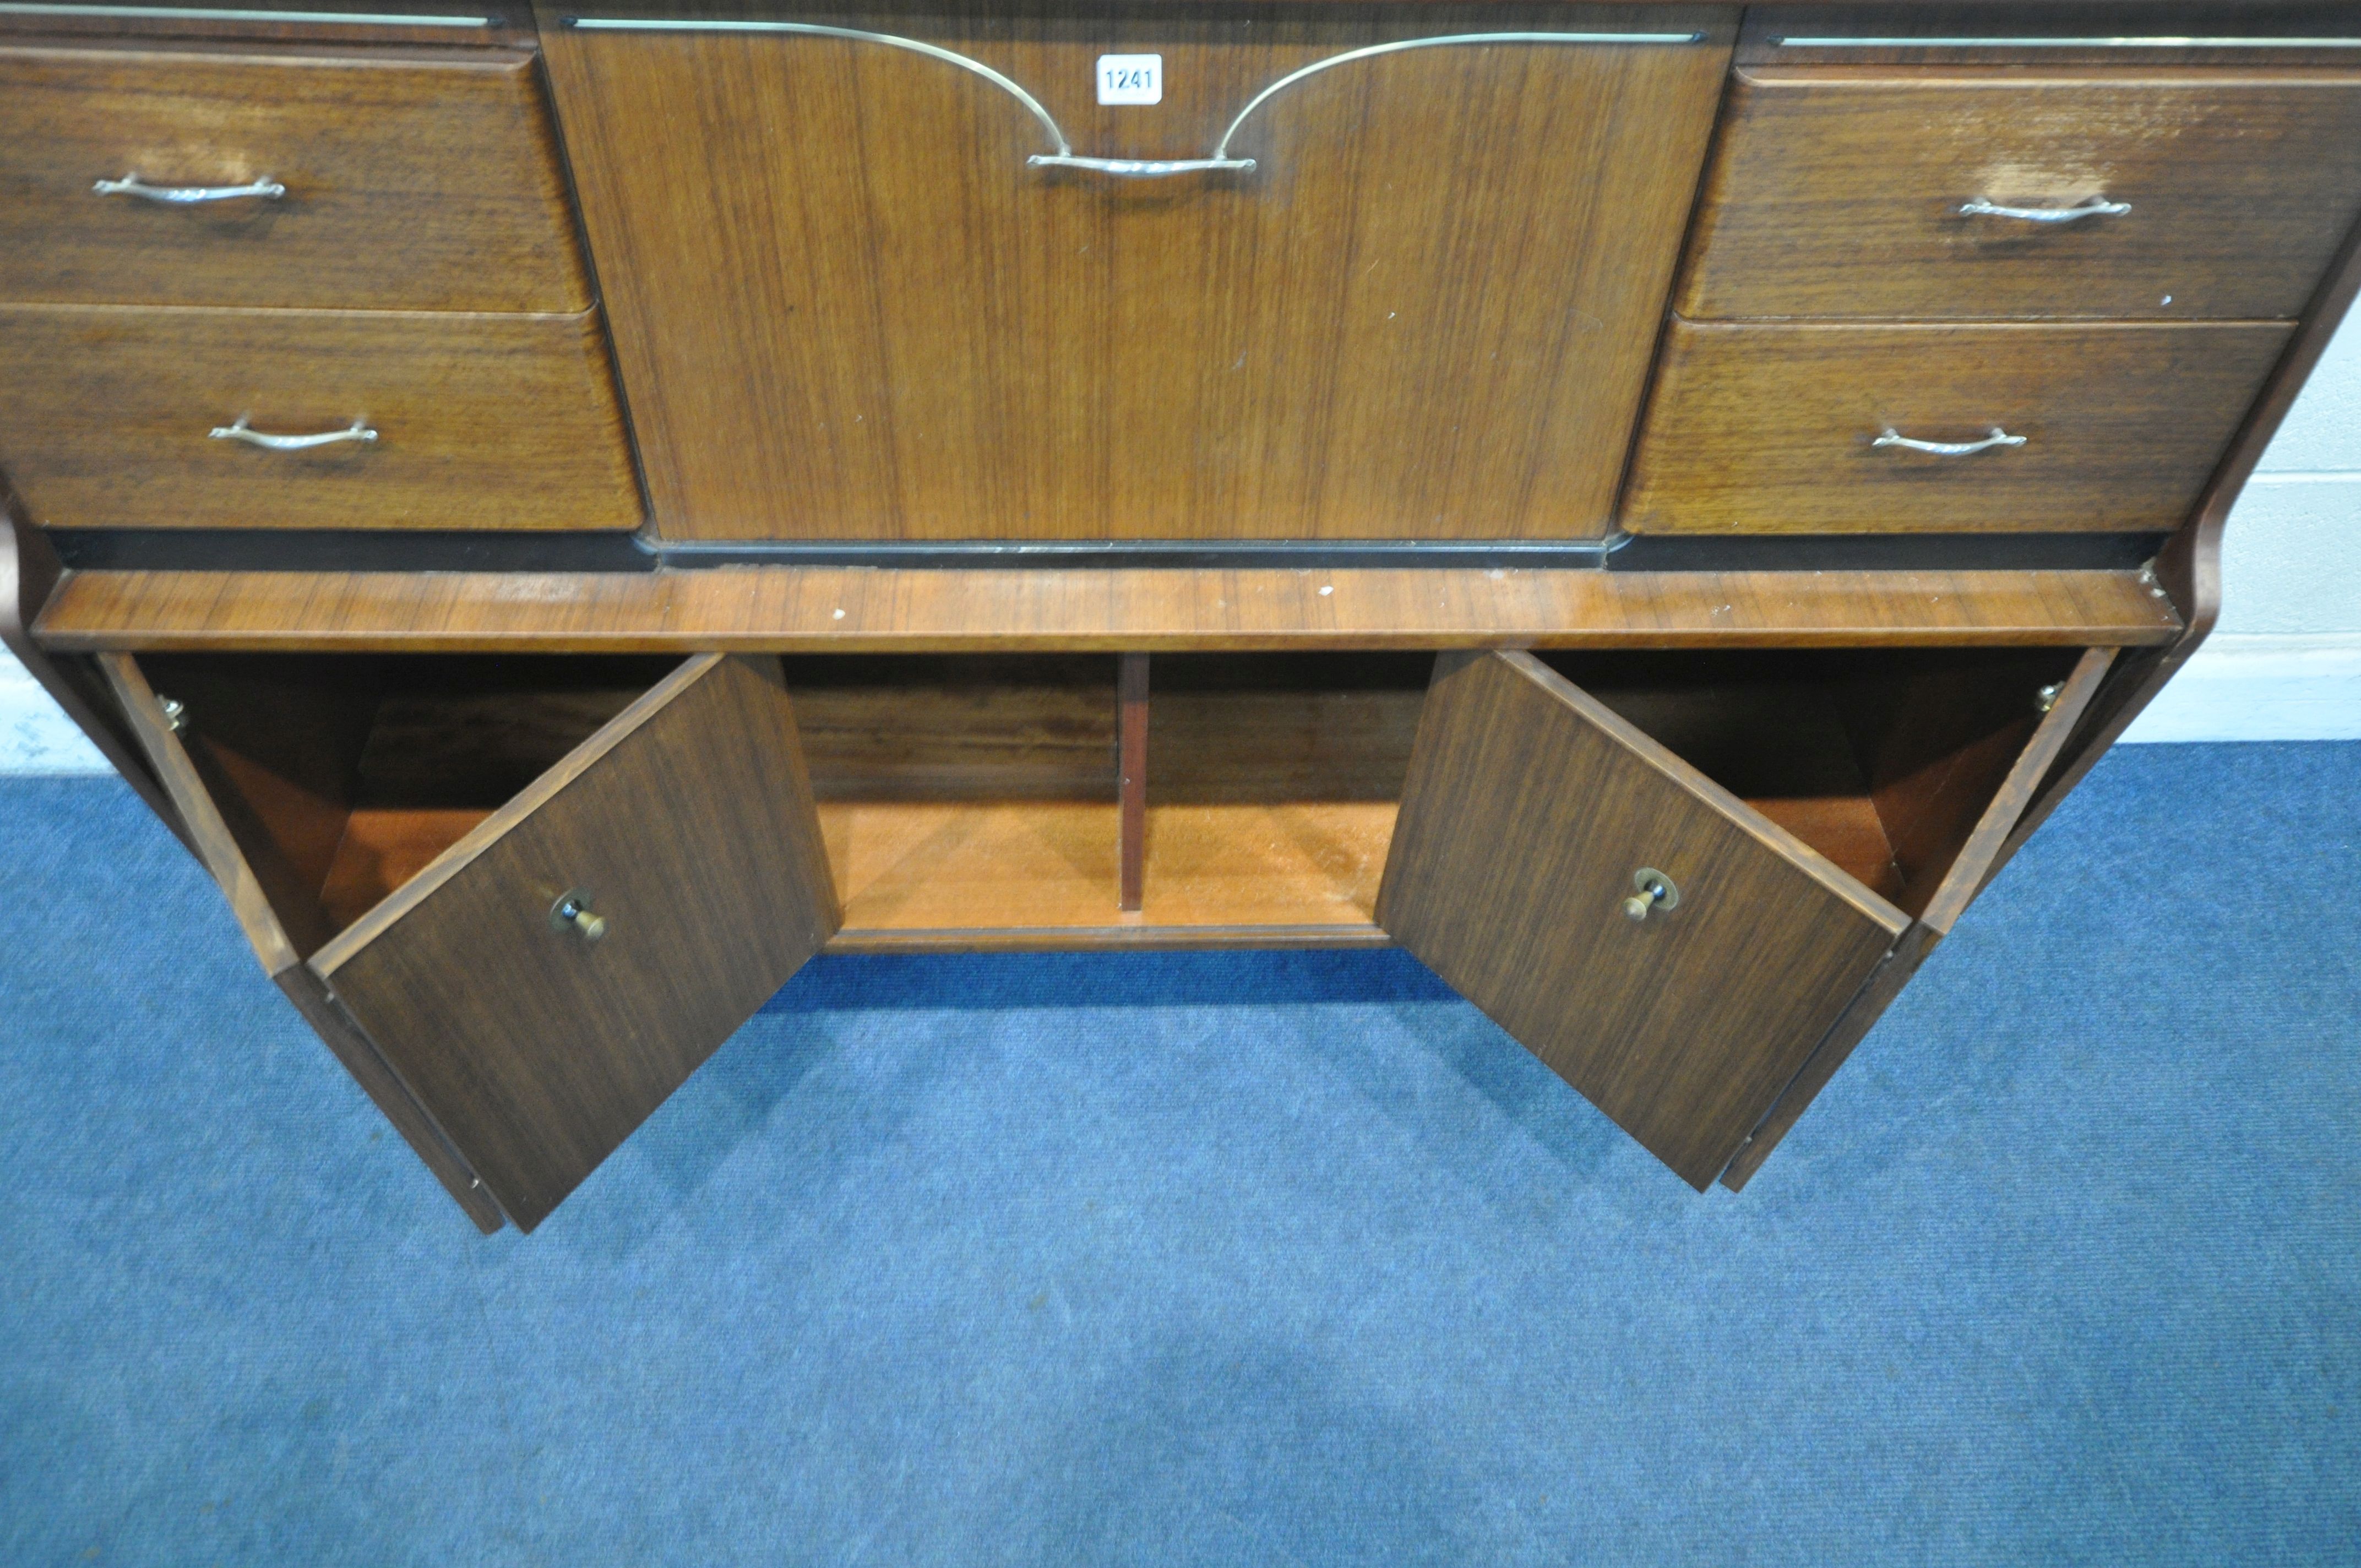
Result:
x=569 y=514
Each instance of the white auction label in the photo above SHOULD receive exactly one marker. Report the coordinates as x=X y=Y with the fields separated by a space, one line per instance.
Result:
x=1131 y=78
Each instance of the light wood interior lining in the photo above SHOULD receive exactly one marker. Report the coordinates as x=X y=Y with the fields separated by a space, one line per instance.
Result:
x=979 y=794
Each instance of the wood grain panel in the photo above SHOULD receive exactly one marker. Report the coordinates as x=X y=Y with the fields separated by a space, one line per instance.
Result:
x=844 y=306
x=974 y=865
x=358 y=1054
x=216 y=847
x=1131 y=774
x=689 y=821
x=1273 y=862
x=1045 y=874
x=1836 y=1048
x=415 y=179
x=1993 y=33
x=816 y=609
x=1968 y=867
x=276 y=746
x=1528 y=807
x=338 y=23
x=1838 y=193
x=1767 y=428
x=482 y=420
x=1253 y=728
x=982 y=727
x=1109 y=939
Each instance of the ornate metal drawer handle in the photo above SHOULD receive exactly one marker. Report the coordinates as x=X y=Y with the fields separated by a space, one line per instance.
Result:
x=356 y=431
x=1138 y=169
x=1065 y=157
x=189 y=195
x=2096 y=207
x=1999 y=437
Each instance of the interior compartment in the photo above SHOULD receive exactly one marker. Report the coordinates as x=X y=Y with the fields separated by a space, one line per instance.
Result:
x=1881 y=760
x=1273 y=780
x=963 y=791
x=341 y=776
x=966 y=794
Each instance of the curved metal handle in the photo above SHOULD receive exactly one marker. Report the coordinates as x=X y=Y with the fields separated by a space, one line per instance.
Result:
x=356 y=431
x=2096 y=207
x=189 y=195
x=1999 y=437
x=1138 y=169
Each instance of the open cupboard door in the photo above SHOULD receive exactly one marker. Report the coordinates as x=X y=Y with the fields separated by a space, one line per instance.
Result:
x=1665 y=947
x=523 y=900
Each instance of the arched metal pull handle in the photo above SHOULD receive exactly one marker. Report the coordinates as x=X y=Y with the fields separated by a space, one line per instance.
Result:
x=2096 y=207
x=1999 y=437
x=1655 y=890
x=356 y=431
x=1141 y=168
x=572 y=913
x=189 y=195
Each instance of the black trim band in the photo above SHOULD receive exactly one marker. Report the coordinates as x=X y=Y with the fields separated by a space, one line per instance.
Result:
x=1310 y=554
x=346 y=550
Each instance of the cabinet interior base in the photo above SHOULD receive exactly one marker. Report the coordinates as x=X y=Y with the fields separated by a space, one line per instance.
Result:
x=1041 y=874
x=971 y=802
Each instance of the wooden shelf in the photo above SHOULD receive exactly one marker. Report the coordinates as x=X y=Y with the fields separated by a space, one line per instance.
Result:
x=1043 y=873
x=384 y=847
x=854 y=610
x=969 y=803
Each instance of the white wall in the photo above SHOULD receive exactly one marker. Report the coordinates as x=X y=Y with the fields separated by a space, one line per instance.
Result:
x=2285 y=663
x=2284 y=666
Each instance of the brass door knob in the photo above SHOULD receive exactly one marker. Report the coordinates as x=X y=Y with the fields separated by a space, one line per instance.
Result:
x=572 y=913
x=1655 y=892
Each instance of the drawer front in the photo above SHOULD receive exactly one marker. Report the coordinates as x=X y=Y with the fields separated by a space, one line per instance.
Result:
x=687 y=826
x=1838 y=193
x=1530 y=811
x=407 y=182
x=108 y=418
x=859 y=306
x=1777 y=429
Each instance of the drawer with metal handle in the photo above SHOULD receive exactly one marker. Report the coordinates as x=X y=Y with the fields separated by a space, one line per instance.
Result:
x=118 y=417
x=539 y=891
x=385 y=180
x=1856 y=428
x=1868 y=192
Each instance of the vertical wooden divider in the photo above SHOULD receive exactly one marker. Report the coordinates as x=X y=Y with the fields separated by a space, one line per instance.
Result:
x=1131 y=757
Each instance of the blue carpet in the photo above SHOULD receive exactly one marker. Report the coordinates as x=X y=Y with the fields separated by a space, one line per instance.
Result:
x=1256 y=1259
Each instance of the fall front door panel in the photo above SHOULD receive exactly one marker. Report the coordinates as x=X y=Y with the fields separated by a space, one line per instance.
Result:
x=848 y=303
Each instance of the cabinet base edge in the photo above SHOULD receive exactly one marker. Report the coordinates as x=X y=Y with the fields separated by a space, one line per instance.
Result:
x=1090 y=938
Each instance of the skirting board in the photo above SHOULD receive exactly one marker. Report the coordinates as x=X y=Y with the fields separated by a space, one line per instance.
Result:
x=2261 y=686
x=2237 y=688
